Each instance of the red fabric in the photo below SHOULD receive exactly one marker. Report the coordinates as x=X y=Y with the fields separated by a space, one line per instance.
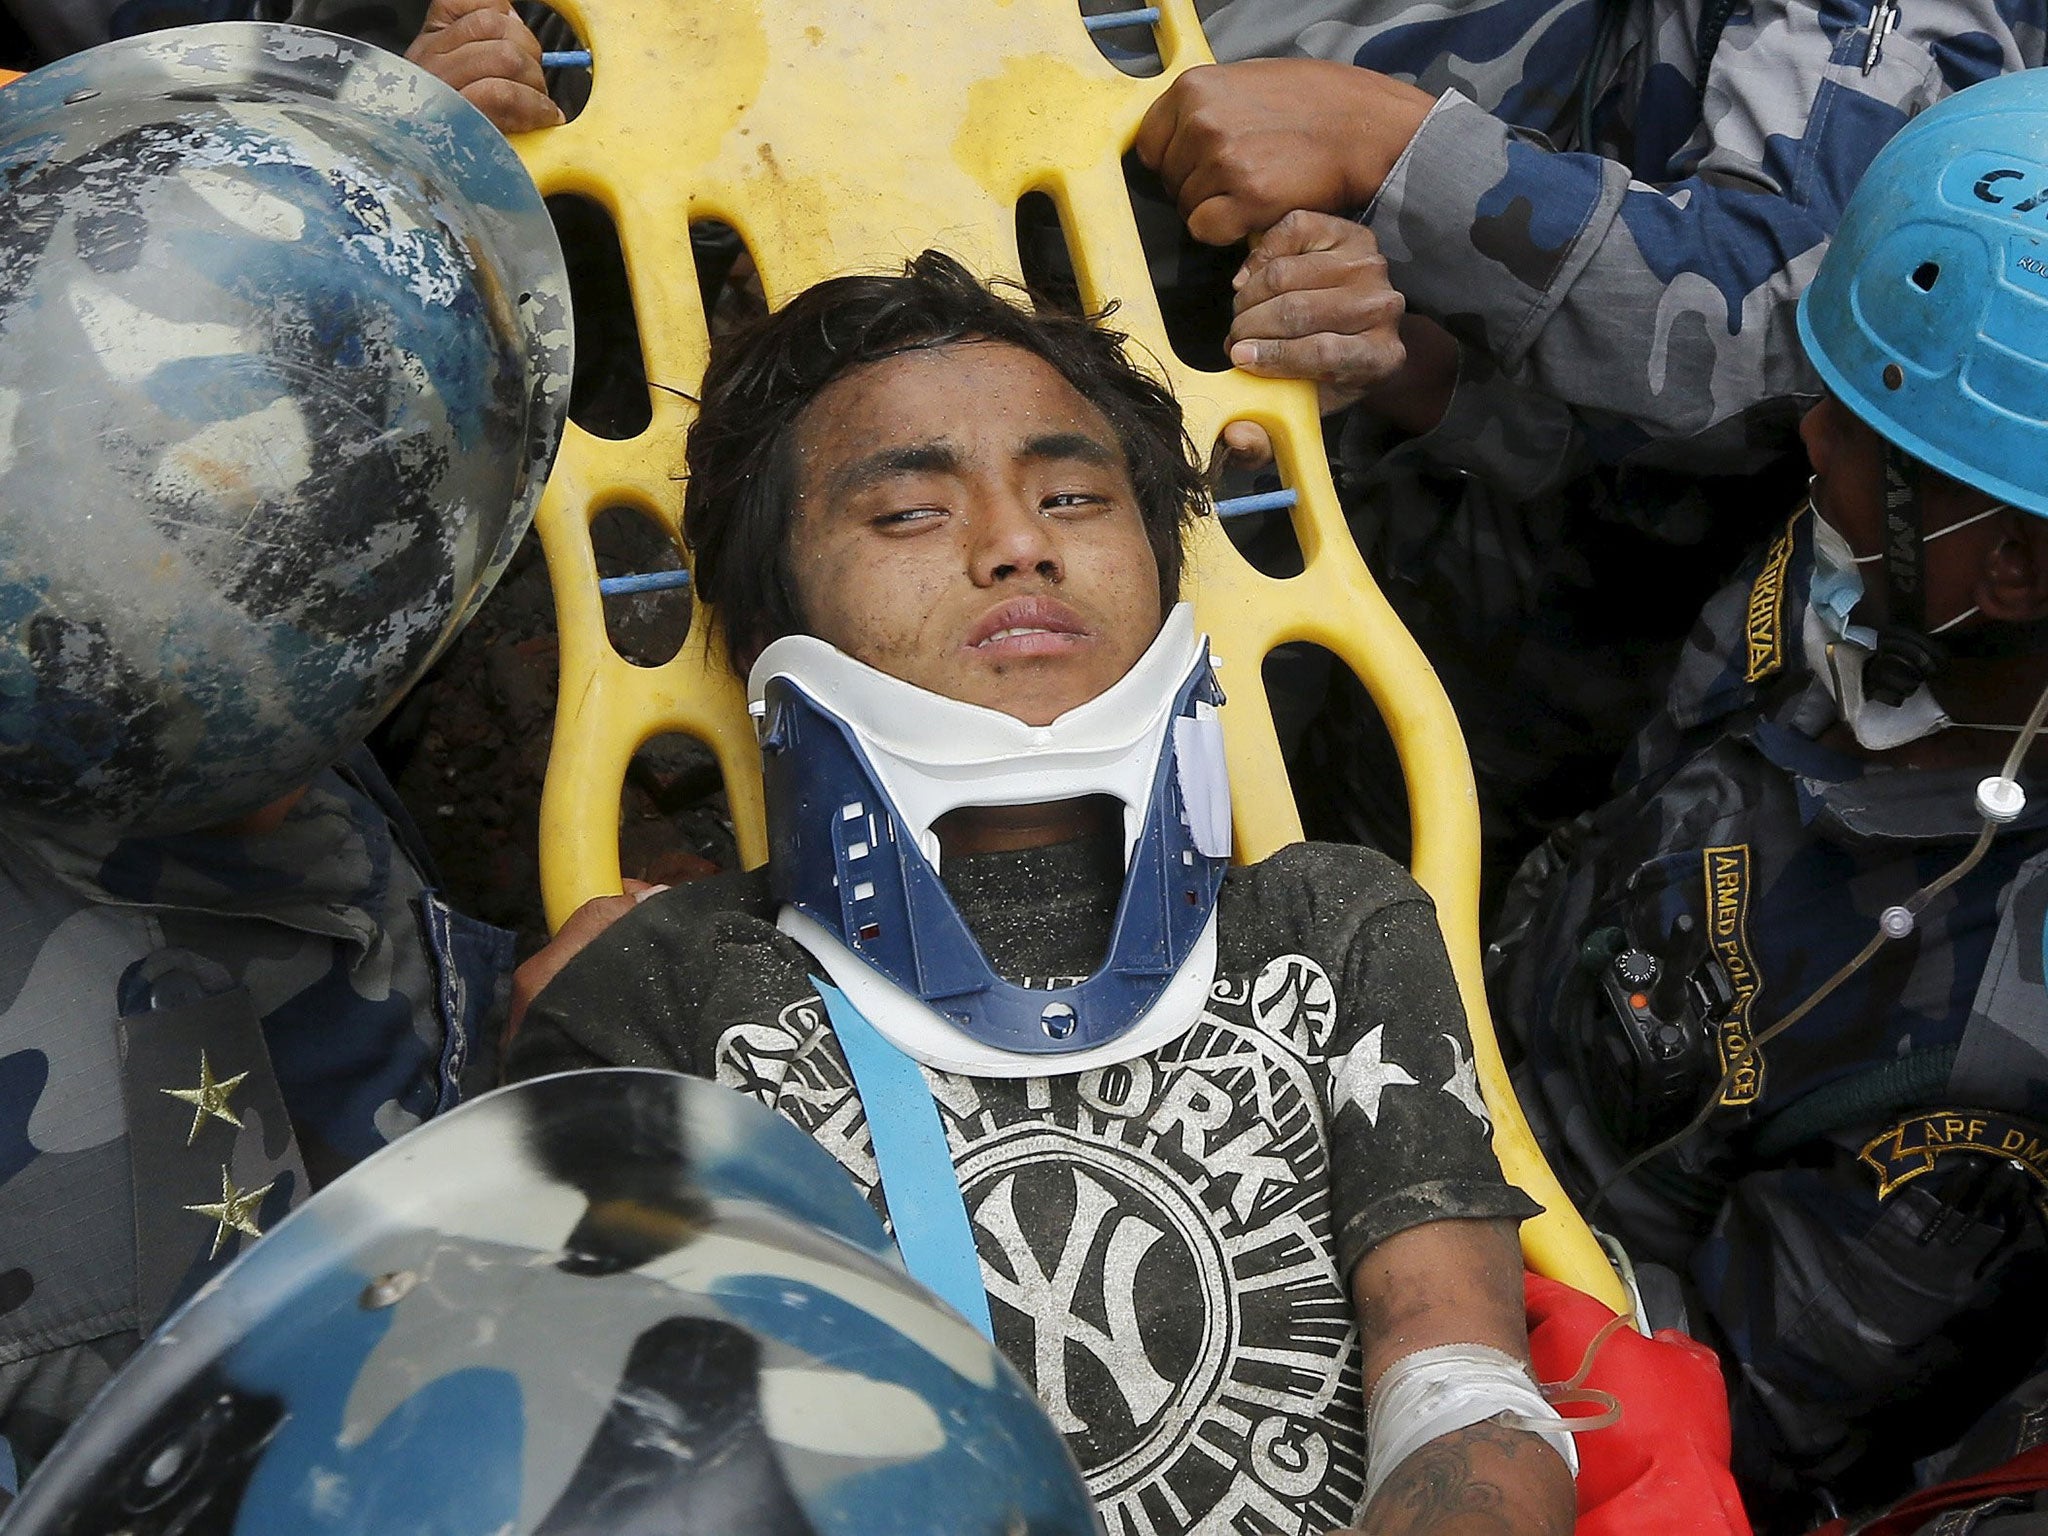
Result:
x=1664 y=1467
x=2025 y=1473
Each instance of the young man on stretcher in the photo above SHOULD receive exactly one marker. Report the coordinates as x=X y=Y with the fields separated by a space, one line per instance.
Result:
x=1218 y=1157
x=1216 y=1130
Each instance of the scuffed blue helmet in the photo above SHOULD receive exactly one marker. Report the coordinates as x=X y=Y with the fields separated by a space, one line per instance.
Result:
x=284 y=357
x=617 y=1302
x=1929 y=315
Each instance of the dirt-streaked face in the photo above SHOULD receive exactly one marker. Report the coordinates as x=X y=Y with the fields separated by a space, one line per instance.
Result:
x=965 y=522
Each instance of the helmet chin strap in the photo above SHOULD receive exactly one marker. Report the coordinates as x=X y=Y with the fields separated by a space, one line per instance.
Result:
x=1907 y=656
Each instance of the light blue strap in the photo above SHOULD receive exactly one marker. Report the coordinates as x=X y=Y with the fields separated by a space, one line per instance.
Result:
x=925 y=1204
x=10 y=1478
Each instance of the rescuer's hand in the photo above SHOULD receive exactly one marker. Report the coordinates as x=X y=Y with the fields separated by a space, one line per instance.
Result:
x=1313 y=302
x=485 y=51
x=1239 y=146
x=584 y=924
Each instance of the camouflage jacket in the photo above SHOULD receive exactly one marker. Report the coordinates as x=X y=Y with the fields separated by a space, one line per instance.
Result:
x=1625 y=306
x=1868 y=1288
x=1646 y=276
x=192 y=1029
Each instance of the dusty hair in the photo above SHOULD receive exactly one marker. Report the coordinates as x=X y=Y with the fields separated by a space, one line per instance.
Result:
x=739 y=508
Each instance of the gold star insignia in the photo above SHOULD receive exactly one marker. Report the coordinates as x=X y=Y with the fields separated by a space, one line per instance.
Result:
x=234 y=1210
x=209 y=1098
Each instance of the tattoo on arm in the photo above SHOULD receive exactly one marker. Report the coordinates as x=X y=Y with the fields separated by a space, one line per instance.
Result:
x=1477 y=1481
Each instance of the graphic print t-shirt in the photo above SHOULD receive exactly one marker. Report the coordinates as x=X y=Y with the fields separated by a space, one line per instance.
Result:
x=1164 y=1241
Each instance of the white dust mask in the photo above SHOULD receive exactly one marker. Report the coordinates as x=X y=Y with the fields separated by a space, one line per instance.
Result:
x=1838 y=650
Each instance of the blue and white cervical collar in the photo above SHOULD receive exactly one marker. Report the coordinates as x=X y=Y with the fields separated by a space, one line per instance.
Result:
x=859 y=765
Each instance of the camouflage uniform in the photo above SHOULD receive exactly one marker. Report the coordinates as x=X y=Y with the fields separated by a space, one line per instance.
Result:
x=1626 y=317
x=287 y=326
x=1870 y=1291
x=192 y=1029
x=1649 y=282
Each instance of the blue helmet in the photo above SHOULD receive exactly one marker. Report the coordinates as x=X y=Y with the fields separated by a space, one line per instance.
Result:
x=1929 y=315
x=606 y=1302
x=284 y=358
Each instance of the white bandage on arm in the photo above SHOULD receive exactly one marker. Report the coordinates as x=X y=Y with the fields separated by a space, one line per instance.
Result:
x=1435 y=1391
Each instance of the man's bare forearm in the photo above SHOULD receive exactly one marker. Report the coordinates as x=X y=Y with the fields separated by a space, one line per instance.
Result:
x=1484 y=1480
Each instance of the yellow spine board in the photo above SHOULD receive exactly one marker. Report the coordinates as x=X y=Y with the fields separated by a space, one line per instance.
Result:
x=839 y=138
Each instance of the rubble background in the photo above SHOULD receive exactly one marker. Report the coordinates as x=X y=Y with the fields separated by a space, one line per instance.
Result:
x=469 y=747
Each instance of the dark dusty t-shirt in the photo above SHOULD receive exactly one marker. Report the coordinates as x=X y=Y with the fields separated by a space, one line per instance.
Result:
x=1164 y=1241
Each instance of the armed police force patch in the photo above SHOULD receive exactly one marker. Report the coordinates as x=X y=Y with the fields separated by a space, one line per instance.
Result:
x=1913 y=1146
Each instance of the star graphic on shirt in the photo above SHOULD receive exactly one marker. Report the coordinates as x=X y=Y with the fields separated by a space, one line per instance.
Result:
x=1464 y=1083
x=209 y=1098
x=234 y=1211
x=1365 y=1075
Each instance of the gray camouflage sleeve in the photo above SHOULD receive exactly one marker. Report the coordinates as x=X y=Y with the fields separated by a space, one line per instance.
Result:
x=1663 y=313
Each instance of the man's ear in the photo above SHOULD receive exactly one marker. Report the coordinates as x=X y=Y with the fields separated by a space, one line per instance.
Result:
x=2013 y=584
